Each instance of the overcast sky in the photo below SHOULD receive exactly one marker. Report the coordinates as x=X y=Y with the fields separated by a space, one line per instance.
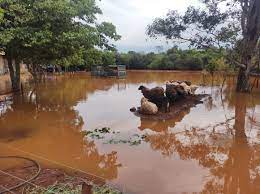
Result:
x=131 y=18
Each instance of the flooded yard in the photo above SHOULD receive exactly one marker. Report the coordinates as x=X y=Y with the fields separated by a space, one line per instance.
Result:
x=211 y=148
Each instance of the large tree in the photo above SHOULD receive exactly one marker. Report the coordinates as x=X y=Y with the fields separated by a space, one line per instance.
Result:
x=46 y=32
x=232 y=25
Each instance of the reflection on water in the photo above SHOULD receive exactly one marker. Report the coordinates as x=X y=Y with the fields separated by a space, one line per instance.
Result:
x=211 y=148
x=233 y=162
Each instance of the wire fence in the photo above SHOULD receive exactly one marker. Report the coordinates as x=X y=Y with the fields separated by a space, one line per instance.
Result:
x=90 y=177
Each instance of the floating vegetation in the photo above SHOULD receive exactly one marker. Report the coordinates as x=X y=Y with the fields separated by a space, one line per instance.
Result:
x=130 y=142
x=99 y=134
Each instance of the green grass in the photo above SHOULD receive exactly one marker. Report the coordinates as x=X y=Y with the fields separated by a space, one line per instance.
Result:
x=69 y=189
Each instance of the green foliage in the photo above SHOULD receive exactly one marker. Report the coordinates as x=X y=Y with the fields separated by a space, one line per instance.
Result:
x=92 y=57
x=223 y=24
x=206 y=26
x=122 y=59
x=105 y=190
x=211 y=68
x=108 y=58
x=134 y=60
x=157 y=62
x=214 y=60
x=54 y=32
x=70 y=189
x=107 y=31
x=173 y=59
x=56 y=188
x=1 y=14
x=75 y=59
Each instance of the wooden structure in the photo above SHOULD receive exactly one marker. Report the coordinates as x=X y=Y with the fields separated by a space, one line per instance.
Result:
x=118 y=71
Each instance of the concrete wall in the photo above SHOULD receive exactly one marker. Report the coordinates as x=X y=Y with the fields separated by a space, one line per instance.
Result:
x=3 y=66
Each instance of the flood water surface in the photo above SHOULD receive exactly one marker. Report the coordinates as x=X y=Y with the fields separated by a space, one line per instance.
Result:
x=84 y=123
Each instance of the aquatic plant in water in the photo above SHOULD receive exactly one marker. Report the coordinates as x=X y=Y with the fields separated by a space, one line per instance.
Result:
x=99 y=134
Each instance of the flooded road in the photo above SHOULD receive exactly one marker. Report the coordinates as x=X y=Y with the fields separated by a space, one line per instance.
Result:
x=211 y=148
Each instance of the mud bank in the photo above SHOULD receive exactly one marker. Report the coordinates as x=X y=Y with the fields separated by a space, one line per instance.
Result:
x=178 y=107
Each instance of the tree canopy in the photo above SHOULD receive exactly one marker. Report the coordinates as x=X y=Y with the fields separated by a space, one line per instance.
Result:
x=232 y=25
x=46 y=32
x=94 y=57
x=202 y=27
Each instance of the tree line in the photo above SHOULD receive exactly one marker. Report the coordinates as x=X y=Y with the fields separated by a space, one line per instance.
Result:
x=210 y=60
x=174 y=59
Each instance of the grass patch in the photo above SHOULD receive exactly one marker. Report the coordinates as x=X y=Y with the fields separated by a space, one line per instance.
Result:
x=69 y=189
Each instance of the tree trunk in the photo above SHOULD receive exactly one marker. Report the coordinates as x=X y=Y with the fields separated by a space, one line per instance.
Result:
x=14 y=72
x=243 y=82
x=250 y=23
x=37 y=72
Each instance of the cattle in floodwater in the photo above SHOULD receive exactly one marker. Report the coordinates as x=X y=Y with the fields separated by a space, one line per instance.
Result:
x=157 y=96
x=176 y=90
x=147 y=107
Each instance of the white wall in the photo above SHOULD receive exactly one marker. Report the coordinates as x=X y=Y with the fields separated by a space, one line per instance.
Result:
x=2 y=65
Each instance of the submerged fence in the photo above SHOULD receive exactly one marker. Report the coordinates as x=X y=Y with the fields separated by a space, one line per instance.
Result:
x=109 y=71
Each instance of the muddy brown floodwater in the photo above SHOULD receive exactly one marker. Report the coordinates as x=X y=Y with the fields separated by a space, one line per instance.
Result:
x=211 y=148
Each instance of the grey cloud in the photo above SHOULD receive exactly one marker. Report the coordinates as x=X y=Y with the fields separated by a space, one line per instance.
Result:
x=131 y=18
